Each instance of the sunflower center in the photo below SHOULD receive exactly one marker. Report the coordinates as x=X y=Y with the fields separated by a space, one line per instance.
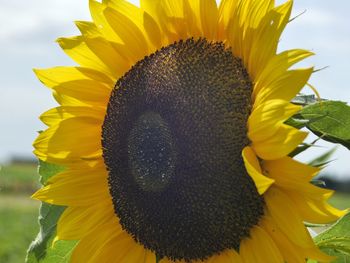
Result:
x=172 y=140
x=151 y=152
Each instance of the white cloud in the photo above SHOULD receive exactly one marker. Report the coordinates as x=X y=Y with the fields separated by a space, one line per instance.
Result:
x=28 y=16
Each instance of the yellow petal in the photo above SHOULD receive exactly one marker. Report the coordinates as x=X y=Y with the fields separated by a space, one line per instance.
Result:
x=152 y=30
x=150 y=257
x=297 y=184
x=227 y=256
x=144 y=22
x=316 y=254
x=70 y=188
x=135 y=254
x=315 y=209
x=256 y=12
x=56 y=115
x=109 y=55
x=288 y=167
x=283 y=142
x=311 y=201
x=53 y=76
x=166 y=260
x=94 y=243
x=290 y=174
x=85 y=90
x=287 y=217
x=126 y=8
x=278 y=66
x=121 y=248
x=151 y=6
x=258 y=17
x=192 y=20
x=252 y=165
x=128 y=32
x=259 y=248
x=68 y=101
x=78 y=50
x=209 y=18
x=290 y=251
x=267 y=117
x=234 y=256
x=266 y=37
x=96 y=10
x=170 y=14
x=226 y=10
x=285 y=87
x=77 y=222
x=65 y=139
x=88 y=29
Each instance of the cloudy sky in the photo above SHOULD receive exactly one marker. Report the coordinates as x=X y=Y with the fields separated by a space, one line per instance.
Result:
x=29 y=28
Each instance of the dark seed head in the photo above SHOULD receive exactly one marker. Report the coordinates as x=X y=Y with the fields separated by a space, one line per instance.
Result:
x=151 y=152
x=172 y=140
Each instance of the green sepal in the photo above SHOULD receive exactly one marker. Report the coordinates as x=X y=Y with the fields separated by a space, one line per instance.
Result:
x=42 y=249
x=48 y=170
x=296 y=123
x=59 y=253
x=335 y=241
x=314 y=225
x=301 y=148
x=324 y=159
x=41 y=246
x=303 y=99
x=319 y=183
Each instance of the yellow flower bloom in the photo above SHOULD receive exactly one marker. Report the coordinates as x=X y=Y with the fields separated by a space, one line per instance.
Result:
x=172 y=133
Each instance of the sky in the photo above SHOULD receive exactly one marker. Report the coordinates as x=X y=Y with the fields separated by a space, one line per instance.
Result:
x=27 y=40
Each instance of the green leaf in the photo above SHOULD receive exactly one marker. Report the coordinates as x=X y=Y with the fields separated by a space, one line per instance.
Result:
x=47 y=170
x=301 y=148
x=303 y=99
x=319 y=183
x=336 y=240
x=329 y=120
x=323 y=159
x=59 y=253
x=42 y=249
x=48 y=217
x=296 y=123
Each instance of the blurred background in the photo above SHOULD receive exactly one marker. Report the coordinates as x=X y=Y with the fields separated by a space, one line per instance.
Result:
x=28 y=31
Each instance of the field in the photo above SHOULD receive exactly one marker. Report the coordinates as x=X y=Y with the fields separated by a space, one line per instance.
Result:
x=18 y=221
x=18 y=213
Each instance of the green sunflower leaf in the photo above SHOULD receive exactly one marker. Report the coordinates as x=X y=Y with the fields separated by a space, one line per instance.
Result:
x=296 y=123
x=47 y=170
x=323 y=159
x=336 y=240
x=48 y=217
x=330 y=120
x=42 y=249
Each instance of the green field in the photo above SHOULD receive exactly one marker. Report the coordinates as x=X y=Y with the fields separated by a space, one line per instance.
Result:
x=20 y=178
x=18 y=221
x=340 y=200
x=18 y=213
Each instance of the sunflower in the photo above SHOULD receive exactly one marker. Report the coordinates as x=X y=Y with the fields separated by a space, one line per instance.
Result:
x=173 y=137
